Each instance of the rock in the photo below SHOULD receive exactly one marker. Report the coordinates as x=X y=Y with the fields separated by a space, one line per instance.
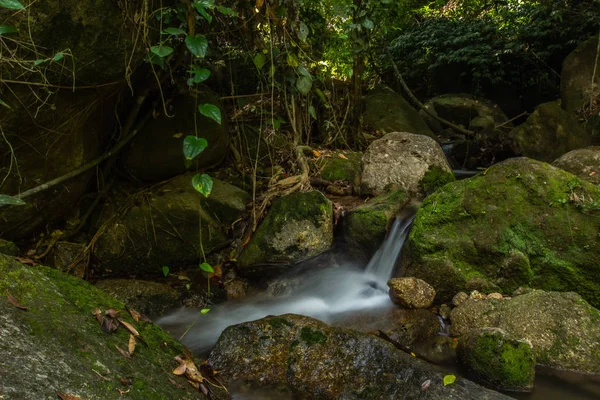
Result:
x=548 y=133
x=150 y=298
x=563 y=328
x=57 y=345
x=235 y=288
x=161 y=227
x=476 y=295
x=366 y=226
x=523 y=223
x=459 y=298
x=387 y=111
x=318 y=361
x=584 y=163
x=404 y=159
x=411 y=292
x=496 y=296
x=8 y=248
x=497 y=359
x=298 y=226
x=337 y=168
x=50 y=133
x=445 y=310
x=576 y=78
x=156 y=153
x=65 y=256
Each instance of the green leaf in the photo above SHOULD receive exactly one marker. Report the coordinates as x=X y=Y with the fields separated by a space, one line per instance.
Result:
x=259 y=61
x=2 y=103
x=304 y=84
x=173 y=31
x=292 y=60
x=6 y=200
x=303 y=71
x=205 y=3
x=303 y=32
x=312 y=112
x=202 y=11
x=4 y=29
x=156 y=60
x=58 y=56
x=161 y=51
x=449 y=380
x=165 y=270
x=368 y=24
x=211 y=111
x=12 y=4
x=192 y=146
x=199 y=75
x=227 y=11
x=202 y=183
x=197 y=45
x=206 y=267
x=38 y=62
x=204 y=311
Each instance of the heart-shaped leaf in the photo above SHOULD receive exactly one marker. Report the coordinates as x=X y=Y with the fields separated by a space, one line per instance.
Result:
x=161 y=51
x=206 y=267
x=199 y=75
x=4 y=29
x=203 y=184
x=449 y=379
x=6 y=200
x=12 y=4
x=303 y=32
x=259 y=61
x=211 y=111
x=304 y=84
x=192 y=146
x=197 y=45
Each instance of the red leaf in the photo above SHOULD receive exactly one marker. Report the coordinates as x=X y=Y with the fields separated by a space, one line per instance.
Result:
x=14 y=302
x=65 y=396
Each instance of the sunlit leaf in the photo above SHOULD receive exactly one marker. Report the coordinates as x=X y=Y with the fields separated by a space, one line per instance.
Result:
x=4 y=29
x=165 y=270
x=204 y=311
x=192 y=146
x=312 y=112
x=12 y=4
x=317 y=153
x=6 y=200
x=259 y=61
x=211 y=111
x=197 y=45
x=206 y=267
x=205 y=3
x=58 y=56
x=173 y=31
x=202 y=183
x=304 y=84
x=161 y=51
x=303 y=32
x=449 y=380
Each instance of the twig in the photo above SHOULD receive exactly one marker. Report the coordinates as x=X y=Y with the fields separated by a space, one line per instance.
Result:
x=511 y=120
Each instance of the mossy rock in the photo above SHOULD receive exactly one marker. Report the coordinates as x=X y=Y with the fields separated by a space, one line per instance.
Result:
x=8 y=248
x=339 y=168
x=495 y=358
x=150 y=298
x=57 y=345
x=523 y=223
x=562 y=327
x=585 y=163
x=366 y=226
x=576 y=77
x=164 y=226
x=297 y=226
x=316 y=361
x=548 y=133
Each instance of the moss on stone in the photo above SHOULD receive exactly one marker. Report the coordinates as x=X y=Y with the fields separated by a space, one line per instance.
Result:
x=343 y=169
x=312 y=336
x=434 y=178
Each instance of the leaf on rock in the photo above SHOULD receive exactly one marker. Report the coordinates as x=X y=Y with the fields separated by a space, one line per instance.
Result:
x=65 y=396
x=123 y=352
x=27 y=261
x=125 y=381
x=129 y=327
x=111 y=313
x=14 y=302
x=98 y=314
x=449 y=379
x=131 y=344
x=425 y=385
x=109 y=325
x=340 y=155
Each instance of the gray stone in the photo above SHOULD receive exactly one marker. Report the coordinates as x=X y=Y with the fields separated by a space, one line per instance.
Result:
x=584 y=163
x=411 y=292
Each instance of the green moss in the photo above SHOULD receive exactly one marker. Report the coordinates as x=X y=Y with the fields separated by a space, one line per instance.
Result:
x=341 y=169
x=434 y=178
x=278 y=322
x=312 y=336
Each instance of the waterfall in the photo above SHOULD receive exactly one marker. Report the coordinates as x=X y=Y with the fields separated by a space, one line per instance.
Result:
x=322 y=294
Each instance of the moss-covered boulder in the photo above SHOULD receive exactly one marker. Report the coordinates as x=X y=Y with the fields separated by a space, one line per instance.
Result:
x=562 y=327
x=548 y=133
x=150 y=298
x=585 y=163
x=8 y=248
x=297 y=226
x=171 y=224
x=387 y=111
x=576 y=78
x=342 y=166
x=495 y=358
x=522 y=223
x=403 y=159
x=365 y=226
x=156 y=153
x=57 y=345
x=317 y=361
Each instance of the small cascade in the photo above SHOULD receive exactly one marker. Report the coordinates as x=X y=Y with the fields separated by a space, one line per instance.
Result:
x=323 y=294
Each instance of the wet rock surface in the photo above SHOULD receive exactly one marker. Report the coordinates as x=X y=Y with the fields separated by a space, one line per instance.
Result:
x=584 y=163
x=411 y=292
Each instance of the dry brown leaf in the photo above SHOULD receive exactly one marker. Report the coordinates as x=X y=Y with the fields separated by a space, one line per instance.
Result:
x=129 y=327
x=180 y=370
x=340 y=155
x=126 y=381
x=111 y=313
x=109 y=325
x=65 y=396
x=14 y=302
x=27 y=261
x=247 y=241
x=218 y=272
x=123 y=352
x=135 y=315
x=131 y=345
x=98 y=314
x=177 y=385
x=592 y=173
x=317 y=153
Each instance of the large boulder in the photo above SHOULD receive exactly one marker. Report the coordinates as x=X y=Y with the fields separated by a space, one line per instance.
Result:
x=404 y=159
x=156 y=153
x=58 y=346
x=578 y=71
x=411 y=292
x=548 y=133
x=297 y=226
x=171 y=224
x=317 y=361
x=387 y=111
x=522 y=223
x=584 y=163
x=48 y=131
x=562 y=327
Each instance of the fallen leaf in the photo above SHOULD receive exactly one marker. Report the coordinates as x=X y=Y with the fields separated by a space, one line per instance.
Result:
x=259 y=3
x=342 y=156
x=135 y=315
x=129 y=327
x=123 y=352
x=24 y=260
x=592 y=173
x=425 y=385
x=122 y=392
x=413 y=354
x=218 y=272
x=449 y=380
x=65 y=396
x=109 y=325
x=14 y=302
x=131 y=345
x=111 y=313
x=317 y=153
x=177 y=385
x=180 y=370
x=126 y=381
x=98 y=314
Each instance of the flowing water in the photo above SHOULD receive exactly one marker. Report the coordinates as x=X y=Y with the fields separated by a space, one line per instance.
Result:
x=323 y=294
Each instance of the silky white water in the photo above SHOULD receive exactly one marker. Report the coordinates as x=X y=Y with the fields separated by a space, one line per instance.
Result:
x=322 y=294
